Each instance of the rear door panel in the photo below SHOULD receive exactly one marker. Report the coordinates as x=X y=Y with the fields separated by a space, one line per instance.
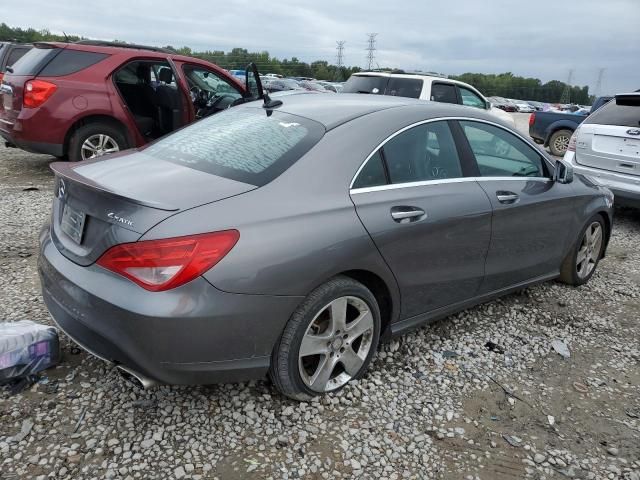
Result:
x=439 y=260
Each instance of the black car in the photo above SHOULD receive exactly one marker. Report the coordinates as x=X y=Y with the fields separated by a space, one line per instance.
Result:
x=10 y=53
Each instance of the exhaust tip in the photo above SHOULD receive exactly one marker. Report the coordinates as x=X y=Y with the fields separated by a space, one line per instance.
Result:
x=135 y=378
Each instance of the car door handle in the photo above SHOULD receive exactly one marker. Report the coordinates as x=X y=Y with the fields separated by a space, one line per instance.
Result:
x=507 y=197
x=407 y=214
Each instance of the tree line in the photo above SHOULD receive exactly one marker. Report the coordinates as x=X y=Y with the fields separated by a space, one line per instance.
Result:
x=502 y=85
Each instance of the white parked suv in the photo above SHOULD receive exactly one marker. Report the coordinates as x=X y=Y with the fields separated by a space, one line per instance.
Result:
x=606 y=148
x=423 y=87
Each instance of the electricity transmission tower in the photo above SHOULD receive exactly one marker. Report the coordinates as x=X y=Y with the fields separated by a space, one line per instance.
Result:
x=566 y=93
x=340 y=59
x=597 y=92
x=371 y=48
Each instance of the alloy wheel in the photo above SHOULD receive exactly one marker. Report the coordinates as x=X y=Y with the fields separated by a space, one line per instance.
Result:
x=336 y=344
x=98 y=145
x=589 y=250
x=561 y=143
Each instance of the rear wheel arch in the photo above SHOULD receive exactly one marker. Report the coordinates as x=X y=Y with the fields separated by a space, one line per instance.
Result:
x=607 y=227
x=382 y=293
x=81 y=122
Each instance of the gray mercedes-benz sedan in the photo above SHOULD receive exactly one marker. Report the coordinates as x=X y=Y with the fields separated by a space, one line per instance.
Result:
x=289 y=240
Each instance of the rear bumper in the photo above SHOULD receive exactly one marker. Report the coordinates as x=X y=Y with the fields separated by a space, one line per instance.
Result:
x=14 y=139
x=626 y=188
x=194 y=334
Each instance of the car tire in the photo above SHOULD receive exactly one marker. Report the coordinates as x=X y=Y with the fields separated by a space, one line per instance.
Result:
x=108 y=138
x=573 y=270
x=343 y=355
x=559 y=141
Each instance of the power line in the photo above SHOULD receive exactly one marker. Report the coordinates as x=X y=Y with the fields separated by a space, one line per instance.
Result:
x=371 y=48
x=566 y=93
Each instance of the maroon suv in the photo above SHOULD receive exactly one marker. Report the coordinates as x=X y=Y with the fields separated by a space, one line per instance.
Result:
x=81 y=100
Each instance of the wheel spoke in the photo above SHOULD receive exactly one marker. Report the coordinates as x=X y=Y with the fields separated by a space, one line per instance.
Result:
x=313 y=345
x=588 y=235
x=596 y=238
x=360 y=325
x=111 y=150
x=323 y=373
x=582 y=255
x=338 y=314
x=351 y=361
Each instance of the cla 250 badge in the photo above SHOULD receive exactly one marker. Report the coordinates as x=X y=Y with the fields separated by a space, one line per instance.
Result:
x=118 y=219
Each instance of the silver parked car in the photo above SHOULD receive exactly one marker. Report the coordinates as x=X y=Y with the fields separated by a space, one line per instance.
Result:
x=290 y=239
x=606 y=147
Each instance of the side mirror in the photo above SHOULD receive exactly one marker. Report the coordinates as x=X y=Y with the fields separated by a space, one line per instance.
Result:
x=252 y=82
x=563 y=172
x=488 y=105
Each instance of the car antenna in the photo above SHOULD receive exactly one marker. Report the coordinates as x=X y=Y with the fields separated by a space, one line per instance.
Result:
x=268 y=103
x=66 y=37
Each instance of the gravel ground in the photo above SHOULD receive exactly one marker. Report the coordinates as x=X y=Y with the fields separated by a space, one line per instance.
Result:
x=441 y=402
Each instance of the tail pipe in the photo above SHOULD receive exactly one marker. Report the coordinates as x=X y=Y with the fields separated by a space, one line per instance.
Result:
x=136 y=378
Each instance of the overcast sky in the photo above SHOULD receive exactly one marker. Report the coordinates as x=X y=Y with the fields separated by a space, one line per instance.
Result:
x=538 y=38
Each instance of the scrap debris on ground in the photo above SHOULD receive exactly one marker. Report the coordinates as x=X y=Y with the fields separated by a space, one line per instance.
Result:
x=540 y=384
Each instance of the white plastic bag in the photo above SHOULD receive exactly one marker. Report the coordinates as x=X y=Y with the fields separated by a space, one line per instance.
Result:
x=26 y=348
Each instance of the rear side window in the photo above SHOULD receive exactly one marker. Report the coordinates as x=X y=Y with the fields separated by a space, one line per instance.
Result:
x=249 y=145
x=32 y=62
x=366 y=84
x=614 y=114
x=372 y=174
x=404 y=87
x=71 y=61
x=443 y=92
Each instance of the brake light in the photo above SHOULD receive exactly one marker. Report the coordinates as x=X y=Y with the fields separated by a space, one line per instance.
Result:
x=532 y=119
x=158 y=265
x=36 y=92
x=572 y=141
x=1 y=77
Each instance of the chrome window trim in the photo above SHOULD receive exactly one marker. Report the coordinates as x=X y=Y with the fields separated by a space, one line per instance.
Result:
x=397 y=186
x=438 y=119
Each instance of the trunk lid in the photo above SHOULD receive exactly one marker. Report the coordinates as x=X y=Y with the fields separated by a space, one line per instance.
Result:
x=25 y=69
x=11 y=92
x=105 y=202
x=609 y=147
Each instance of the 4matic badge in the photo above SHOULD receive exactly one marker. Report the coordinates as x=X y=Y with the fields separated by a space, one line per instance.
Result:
x=124 y=221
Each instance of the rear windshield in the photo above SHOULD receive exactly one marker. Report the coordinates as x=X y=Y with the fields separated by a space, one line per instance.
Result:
x=365 y=84
x=33 y=61
x=394 y=86
x=249 y=145
x=614 y=114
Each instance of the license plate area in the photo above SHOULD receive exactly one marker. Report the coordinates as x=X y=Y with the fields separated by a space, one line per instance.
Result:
x=72 y=223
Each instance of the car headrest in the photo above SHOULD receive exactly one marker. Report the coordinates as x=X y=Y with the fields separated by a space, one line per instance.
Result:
x=165 y=75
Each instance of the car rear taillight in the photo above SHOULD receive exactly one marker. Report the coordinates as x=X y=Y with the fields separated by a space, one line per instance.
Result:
x=36 y=92
x=1 y=77
x=532 y=119
x=158 y=265
x=572 y=141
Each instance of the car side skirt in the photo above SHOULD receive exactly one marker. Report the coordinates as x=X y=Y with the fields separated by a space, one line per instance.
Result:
x=408 y=324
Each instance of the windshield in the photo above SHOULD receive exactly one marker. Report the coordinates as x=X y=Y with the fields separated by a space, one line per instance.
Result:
x=248 y=145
